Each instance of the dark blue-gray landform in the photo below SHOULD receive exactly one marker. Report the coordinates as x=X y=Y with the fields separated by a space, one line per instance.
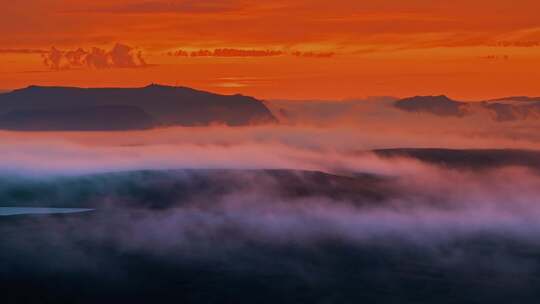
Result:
x=37 y=108
x=7 y=211
x=269 y=236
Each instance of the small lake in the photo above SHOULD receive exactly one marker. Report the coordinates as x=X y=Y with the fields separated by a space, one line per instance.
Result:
x=5 y=211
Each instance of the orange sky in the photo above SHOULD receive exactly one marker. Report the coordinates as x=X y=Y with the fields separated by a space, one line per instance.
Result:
x=298 y=49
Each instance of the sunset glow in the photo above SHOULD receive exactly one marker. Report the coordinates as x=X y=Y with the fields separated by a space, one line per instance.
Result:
x=277 y=49
x=279 y=151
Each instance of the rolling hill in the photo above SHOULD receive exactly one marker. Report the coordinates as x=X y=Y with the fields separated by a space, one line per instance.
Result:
x=69 y=108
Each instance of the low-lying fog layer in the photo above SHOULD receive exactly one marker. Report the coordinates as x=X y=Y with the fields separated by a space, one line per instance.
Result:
x=285 y=147
x=364 y=219
x=313 y=135
x=415 y=199
x=418 y=202
x=277 y=233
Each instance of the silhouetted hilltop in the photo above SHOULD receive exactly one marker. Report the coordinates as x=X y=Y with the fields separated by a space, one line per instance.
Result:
x=468 y=158
x=501 y=109
x=518 y=98
x=438 y=105
x=98 y=118
x=69 y=108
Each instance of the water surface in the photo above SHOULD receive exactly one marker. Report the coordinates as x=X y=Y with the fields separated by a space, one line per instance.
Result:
x=5 y=211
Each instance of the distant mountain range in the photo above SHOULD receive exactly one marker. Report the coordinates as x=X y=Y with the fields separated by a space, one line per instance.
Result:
x=469 y=159
x=69 y=108
x=501 y=109
x=38 y=108
x=518 y=99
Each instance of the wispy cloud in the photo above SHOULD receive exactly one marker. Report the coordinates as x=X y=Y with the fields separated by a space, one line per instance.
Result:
x=23 y=51
x=226 y=52
x=518 y=44
x=313 y=54
x=179 y=6
x=495 y=57
x=232 y=52
x=120 y=56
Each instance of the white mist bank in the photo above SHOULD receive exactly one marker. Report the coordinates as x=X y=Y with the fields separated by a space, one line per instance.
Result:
x=219 y=147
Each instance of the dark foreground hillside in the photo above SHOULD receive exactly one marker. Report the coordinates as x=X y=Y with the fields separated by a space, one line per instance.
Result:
x=38 y=266
x=265 y=236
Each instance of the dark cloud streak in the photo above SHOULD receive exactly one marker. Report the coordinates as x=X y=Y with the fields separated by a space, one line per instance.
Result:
x=23 y=51
x=232 y=52
x=176 y=7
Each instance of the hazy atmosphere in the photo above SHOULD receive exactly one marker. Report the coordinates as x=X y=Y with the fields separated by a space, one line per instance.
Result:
x=273 y=152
